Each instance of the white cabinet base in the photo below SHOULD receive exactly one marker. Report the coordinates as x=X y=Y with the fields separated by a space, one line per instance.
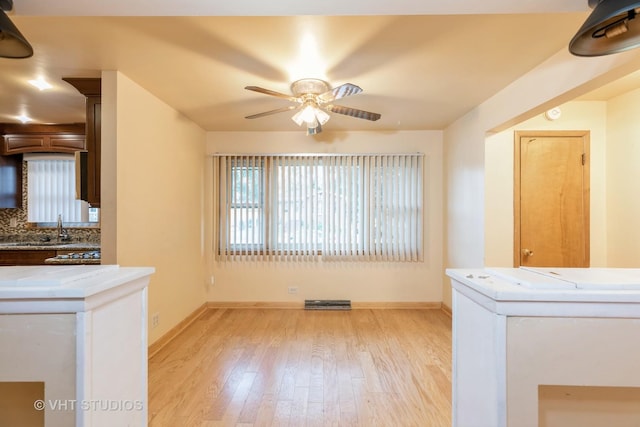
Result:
x=92 y=359
x=545 y=351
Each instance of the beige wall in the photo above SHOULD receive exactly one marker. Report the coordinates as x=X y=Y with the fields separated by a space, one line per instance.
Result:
x=498 y=180
x=152 y=197
x=623 y=176
x=359 y=282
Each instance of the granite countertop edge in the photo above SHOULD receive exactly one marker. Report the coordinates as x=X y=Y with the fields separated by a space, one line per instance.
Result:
x=34 y=246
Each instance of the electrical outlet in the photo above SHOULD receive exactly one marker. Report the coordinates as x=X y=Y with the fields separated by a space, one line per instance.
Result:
x=155 y=320
x=292 y=289
x=212 y=280
x=13 y=222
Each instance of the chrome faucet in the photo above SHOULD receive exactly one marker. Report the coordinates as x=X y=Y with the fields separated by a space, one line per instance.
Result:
x=63 y=234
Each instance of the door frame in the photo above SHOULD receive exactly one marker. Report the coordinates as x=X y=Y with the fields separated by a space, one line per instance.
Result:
x=586 y=187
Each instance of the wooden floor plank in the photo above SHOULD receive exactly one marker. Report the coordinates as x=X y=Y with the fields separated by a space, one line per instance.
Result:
x=271 y=367
x=299 y=407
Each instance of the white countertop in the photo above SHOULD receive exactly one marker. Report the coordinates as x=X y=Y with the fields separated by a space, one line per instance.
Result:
x=563 y=291
x=66 y=286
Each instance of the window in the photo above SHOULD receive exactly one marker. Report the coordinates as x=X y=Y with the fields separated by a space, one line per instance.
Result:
x=51 y=192
x=303 y=207
x=246 y=205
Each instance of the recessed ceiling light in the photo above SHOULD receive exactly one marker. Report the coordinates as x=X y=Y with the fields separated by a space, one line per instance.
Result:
x=24 y=118
x=41 y=83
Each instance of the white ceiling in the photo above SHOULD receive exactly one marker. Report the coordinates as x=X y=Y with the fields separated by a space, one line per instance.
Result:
x=421 y=65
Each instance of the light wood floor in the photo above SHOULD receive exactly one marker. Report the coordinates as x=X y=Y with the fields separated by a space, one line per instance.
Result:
x=268 y=367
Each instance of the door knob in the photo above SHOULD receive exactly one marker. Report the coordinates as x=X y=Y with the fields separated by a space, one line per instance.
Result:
x=527 y=252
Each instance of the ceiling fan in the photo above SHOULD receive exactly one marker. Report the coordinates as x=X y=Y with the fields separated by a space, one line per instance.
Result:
x=313 y=99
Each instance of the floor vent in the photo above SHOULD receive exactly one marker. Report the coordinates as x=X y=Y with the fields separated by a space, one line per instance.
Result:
x=327 y=304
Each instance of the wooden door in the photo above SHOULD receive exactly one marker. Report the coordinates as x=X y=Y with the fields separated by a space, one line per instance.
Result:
x=551 y=199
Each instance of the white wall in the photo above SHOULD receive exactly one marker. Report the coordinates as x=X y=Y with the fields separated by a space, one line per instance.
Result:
x=357 y=281
x=499 y=226
x=623 y=190
x=152 y=185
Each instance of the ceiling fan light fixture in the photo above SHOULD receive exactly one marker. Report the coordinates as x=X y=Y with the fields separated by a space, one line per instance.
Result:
x=312 y=97
x=311 y=115
x=297 y=117
x=611 y=28
x=322 y=116
x=12 y=43
x=308 y=113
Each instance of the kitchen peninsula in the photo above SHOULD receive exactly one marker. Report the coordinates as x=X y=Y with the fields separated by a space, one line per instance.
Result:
x=76 y=336
x=546 y=347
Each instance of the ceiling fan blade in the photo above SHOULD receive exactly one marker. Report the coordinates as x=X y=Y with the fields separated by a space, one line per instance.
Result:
x=338 y=92
x=268 y=113
x=353 y=112
x=271 y=92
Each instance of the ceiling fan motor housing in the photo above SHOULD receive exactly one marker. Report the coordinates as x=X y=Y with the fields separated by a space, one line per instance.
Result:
x=309 y=86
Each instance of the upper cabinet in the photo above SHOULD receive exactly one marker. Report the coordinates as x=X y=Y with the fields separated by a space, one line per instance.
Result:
x=28 y=138
x=90 y=181
x=31 y=138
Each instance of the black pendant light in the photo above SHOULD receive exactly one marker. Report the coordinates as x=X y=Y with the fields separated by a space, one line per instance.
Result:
x=12 y=42
x=612 y=27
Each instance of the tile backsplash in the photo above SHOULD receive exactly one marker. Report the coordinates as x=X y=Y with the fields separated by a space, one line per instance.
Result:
x=14 y=226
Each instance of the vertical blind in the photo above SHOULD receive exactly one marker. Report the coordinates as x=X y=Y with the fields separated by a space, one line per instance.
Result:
x=51 y=190
x=306 y=207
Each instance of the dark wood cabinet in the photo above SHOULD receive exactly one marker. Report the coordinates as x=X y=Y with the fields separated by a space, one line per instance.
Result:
x=93 y=153
x=90 y=181
x=14 y=144
x=28 y=257
x=42 y=138
x=11 y=181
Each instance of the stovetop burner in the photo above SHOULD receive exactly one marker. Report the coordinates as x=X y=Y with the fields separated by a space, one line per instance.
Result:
x=80 y=255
